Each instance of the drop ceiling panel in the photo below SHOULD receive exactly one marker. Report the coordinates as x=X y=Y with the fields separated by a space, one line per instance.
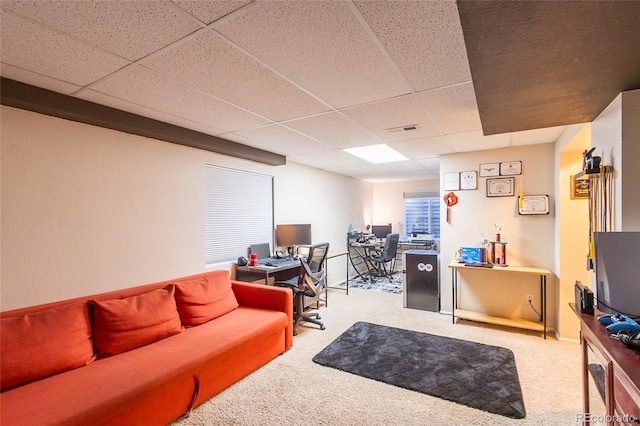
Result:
x=391 y=113
x=207 y=63
x=329 y=159
x=422 y=148
x=116 y=103
x=431 y=164
x=319 y=45
x=453 y=108
x=476 y=141
x=18 y=74
x=145 y=87
x=209 y=11
x=131 y=29
x=424 y=38
x=52 y=54
x=281 y=140
x=333 y=129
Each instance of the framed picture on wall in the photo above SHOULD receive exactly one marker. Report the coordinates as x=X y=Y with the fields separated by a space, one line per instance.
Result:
x=511 y=168
x=533 y=204
x=489 y=169
x=469 y=180
x=452 y=181
x=579 y=188
x=501 y=187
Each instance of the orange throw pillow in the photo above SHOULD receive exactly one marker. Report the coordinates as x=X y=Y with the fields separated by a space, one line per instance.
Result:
x=120 y=325
x=44 y=343
x=205 y=298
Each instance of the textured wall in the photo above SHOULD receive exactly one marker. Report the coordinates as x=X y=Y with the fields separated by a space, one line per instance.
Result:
x=88 y=210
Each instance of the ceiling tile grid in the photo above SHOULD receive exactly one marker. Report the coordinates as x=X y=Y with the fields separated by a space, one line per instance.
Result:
x=210 y=11
x=39 y=80
x=145 y=87
x=304 y=79
x=44 y=51
x=424 y=38
x=390 y=114
x=454 y=108
x=334 y=129
x=210 y=64
x=320 y=46
x=110 y=101
x=150 y=25
x=282 y=140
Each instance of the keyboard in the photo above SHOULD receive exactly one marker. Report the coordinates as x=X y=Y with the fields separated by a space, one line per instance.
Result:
x=276 y=262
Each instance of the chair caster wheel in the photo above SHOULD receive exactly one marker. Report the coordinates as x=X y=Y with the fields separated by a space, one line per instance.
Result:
x=322 y=327
x=318 y=317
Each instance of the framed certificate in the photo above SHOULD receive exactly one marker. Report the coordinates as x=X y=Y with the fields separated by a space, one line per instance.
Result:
x=489 y=169
x=533 y=204
x=469 y=180
x=501 y=187
x=511 y=168
x=452 y=181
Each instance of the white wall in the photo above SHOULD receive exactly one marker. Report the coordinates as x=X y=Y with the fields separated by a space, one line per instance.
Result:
x=531 y=239
x=616 y=136
x=88 y=210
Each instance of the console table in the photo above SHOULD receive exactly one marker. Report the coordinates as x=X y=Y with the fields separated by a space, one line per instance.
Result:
x=619 y=379
x=509 y=322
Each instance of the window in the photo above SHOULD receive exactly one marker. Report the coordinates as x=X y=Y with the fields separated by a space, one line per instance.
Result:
x=422 y=213
x=238 y=212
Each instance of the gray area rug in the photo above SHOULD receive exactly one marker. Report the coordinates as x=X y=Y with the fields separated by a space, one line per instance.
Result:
x=473 y=374
x=378 y=284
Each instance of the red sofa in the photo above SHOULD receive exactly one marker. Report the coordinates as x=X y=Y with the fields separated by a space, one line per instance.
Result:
x=143 y=355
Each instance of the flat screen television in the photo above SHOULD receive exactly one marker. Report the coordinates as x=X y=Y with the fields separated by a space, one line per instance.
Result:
x=381 y=231
x=617 y=265
x=293 y=235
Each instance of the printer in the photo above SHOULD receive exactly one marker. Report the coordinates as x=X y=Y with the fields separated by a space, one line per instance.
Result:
x=424 y=238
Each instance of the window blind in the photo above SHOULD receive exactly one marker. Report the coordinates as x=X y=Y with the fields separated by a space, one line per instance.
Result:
x=238 y=211
x=422 y=212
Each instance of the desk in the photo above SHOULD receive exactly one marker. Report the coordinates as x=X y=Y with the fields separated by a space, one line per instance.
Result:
x=509 y=322
x=279 y=273
x=334 y=254
x=621 y=381
x=358 y=253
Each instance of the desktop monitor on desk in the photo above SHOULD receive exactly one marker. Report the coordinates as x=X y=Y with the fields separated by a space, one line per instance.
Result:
x=381 y=231
x=293 y=235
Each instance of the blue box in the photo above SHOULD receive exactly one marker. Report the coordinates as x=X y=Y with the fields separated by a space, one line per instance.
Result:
x=473 y=255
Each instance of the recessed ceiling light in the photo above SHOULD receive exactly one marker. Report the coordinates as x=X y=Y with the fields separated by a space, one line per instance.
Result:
x=377 y=153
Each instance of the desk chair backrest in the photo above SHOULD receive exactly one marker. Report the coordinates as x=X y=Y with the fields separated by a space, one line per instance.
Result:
x=317 y=256
x=390 y=247
x=305 y=282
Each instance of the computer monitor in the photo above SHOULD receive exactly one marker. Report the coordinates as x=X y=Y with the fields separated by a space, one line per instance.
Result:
x=291 y=235
x=262 y=250
x=618 y=272
x=381 y=231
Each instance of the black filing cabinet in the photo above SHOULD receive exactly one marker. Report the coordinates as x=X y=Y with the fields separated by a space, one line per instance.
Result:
x=421 y=283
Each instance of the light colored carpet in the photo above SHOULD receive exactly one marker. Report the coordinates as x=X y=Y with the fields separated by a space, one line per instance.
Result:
x=293 y=390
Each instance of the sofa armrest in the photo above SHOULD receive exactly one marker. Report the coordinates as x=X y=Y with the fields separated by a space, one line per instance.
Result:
x=267 y=297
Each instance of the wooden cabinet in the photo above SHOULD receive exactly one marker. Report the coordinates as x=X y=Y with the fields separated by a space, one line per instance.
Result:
x=610 y=376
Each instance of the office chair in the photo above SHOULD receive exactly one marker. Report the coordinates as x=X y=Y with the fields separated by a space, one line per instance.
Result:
x=317 y=260
x=307 y=286
x=387 y=255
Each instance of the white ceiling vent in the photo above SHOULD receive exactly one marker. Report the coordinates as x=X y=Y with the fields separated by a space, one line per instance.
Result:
x=406 y=128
